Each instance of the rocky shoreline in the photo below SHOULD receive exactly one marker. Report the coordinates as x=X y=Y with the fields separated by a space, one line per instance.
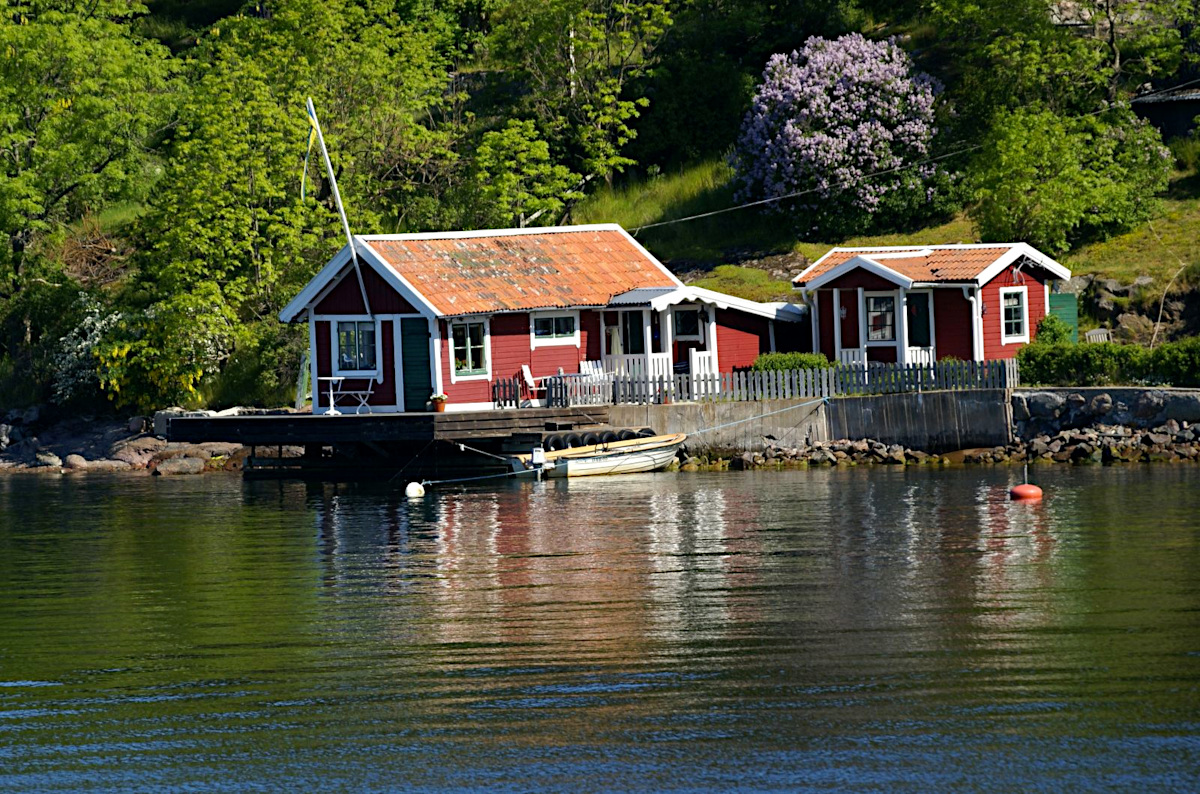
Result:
x=32 y=442
x=1120 y=425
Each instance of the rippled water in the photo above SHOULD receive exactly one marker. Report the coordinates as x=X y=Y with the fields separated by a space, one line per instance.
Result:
x=864 y=629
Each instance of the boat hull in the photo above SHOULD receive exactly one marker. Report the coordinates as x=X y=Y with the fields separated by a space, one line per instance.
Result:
x=623 y=457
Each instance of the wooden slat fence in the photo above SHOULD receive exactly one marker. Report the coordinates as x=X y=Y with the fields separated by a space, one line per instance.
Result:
x=875 y=378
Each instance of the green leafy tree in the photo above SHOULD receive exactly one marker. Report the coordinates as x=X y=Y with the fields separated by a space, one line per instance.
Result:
x=227 y=221
x=517 y=181
x=1052 y=182
x=81 y=102
x=578 y=57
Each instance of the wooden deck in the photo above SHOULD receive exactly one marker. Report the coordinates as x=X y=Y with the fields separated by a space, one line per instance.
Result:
x=306 y=429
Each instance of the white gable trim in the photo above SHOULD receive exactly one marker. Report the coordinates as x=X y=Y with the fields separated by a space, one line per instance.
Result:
x=865 y=263
x=687 y=294
x=395 y=280
x=313 y=288
x=1019 y=250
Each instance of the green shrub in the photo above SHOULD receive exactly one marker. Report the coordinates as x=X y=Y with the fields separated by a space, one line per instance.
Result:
x=788 y=361
x=1177 y=363
x=1053 y=330
x=1066 y=364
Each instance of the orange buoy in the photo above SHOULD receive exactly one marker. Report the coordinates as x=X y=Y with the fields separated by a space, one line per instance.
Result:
x=1026 y=493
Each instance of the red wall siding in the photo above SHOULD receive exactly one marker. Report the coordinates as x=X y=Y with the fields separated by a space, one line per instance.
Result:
x=993 y=317
x=825 y=324
x=510 y=348
x=381 y=393
x=952 y=324
x=884 y=353
x=324 y=363
x=740 y=338
x=860 y=278
x=346 y=298
x=384 y=393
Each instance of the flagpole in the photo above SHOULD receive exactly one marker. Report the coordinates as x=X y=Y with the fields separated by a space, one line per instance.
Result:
x=337 y=199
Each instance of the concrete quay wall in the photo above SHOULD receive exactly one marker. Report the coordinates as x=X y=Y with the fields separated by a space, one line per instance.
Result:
x=931 y=421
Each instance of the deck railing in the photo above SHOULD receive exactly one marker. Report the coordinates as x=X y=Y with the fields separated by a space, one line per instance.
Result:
x=875 y=378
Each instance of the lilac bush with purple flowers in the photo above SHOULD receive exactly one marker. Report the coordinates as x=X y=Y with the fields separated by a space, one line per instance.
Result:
x=831 y=113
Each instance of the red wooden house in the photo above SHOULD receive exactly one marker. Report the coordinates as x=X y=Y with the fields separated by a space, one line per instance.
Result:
x=919 y=304
x=452 y=313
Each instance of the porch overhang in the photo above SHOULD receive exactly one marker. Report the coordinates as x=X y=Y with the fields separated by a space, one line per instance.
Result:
x=660 y=298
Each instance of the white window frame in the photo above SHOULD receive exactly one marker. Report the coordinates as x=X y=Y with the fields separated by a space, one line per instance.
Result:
x=333 y=345
x=1023 y=337
x=487 y=348
x=866 y=341
x=555 y=341
x=700 y=325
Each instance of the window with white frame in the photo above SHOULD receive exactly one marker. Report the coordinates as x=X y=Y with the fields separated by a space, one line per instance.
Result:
x=469 y=348
x=881 y=318
x=687 y=324
x=555 y=329
x=1014 y=307
x=355 y=346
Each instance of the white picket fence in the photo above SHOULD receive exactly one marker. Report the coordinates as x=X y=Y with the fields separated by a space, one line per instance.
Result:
x=875 y=378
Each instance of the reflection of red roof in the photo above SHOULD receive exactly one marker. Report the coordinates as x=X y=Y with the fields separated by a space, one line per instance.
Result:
x=928 y=263
x=534 y=269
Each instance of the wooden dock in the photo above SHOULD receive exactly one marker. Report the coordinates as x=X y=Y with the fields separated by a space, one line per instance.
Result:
x=374 y=445
x=305 y=429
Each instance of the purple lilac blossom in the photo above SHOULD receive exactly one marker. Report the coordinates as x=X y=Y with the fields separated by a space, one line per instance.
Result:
x=829 y=114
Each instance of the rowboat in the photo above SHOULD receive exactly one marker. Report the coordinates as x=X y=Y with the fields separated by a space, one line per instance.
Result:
x=650 y=453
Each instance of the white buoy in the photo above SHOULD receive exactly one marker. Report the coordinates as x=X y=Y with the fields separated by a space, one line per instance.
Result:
x=414 y=490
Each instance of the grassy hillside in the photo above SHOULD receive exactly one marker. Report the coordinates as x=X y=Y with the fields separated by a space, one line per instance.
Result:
x=748 y=234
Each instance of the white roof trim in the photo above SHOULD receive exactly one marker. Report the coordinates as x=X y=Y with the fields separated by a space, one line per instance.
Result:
x=464 y=234
x=1019 y=250
x=773 y=311
x=866 y=263
x=1016 y=251
x=397 y=281
x=299 y=304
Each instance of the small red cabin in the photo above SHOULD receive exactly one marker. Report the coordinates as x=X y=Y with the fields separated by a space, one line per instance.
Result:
x=452 y=313
x=919 y=304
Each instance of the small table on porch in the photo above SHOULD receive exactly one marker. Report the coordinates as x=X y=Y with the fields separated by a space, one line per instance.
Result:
x=334 y=380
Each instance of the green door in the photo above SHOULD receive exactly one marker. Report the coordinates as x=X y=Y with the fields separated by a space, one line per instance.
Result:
x=414 y=356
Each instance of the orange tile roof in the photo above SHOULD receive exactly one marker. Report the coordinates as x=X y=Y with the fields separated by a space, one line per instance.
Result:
x=511 y=272
x=940 y=264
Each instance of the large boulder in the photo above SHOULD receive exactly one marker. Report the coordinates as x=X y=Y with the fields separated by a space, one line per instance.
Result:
x=108 y=465
x=45 y=457
x=1045 y=404
x=178 y=466
x=75 y=462
x=1149 y=404
x=1100 y=405
x=1020 y=408
x=137 y=452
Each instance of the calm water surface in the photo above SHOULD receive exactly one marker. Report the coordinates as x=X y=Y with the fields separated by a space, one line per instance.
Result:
x=860 y=629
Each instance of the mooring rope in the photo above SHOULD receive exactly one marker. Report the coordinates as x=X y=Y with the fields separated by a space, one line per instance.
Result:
x=759 y=416
x=476 y=478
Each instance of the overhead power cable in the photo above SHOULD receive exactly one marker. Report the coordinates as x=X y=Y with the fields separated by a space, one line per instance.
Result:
x=855 y=180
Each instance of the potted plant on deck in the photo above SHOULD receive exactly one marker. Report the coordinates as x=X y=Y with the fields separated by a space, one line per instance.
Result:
x=438 y=401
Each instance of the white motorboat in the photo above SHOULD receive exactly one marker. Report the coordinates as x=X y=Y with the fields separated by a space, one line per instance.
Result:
x=649 y=453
